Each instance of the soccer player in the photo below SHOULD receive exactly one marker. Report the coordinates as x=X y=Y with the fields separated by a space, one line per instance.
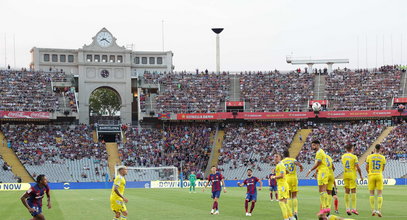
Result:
x=216 y=179
x=283 y=188
x=322 y=178
x=32 y=199
x=273 y=185
x=375 y=164
x=331 y=179
x=350 y=164
x=251 y=194
x=192 y=179
x=292 y=180
x=323 y=216
x=117 y=198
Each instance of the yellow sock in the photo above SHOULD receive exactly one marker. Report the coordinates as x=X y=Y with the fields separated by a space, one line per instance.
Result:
x=283 y=208
x=353 y=200
x=123 y=217
x=295 y=205
x=329 y=201
x=379 y=203
x=347 y=201
x=372 y=200
x=322 y=199
x=289 y=208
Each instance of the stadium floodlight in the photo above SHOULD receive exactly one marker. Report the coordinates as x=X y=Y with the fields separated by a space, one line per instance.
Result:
x=217 y=31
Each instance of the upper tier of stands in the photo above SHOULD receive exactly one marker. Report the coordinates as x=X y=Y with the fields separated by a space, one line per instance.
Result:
x=274 y=91
x=32 y=92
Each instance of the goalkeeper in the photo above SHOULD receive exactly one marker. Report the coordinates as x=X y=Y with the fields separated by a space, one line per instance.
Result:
x=192 y=180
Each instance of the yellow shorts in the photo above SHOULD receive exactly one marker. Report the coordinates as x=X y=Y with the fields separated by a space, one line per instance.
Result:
x=292 y=183
x=331 y=180
x=118 y=206
x=350 y=183
x=375 y=182
x=323 y=177
x=283 y=192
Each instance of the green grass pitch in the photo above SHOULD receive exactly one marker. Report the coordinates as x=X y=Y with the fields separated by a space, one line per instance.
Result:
x=179 y=204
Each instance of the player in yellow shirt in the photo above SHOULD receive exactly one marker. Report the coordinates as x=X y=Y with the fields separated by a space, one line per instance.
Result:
x=323 y=174
x=117 y=198
x=350 y=165
x=375 y=164
x=292 y=180
x=331 y=179
x=283 y=188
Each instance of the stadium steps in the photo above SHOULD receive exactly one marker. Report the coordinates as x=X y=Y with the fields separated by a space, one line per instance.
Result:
x=378 y=140
x=11 y=158
x=113 y=156
x=95 y=136
x=296 y=144
x=403 y=85
x=234 y=91
x=214 y=158
x=319 y=87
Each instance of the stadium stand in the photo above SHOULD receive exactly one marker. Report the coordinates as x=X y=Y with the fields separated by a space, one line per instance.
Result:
x=362 y=90
x=69 y=151
x=5 y=172
x=277 y=92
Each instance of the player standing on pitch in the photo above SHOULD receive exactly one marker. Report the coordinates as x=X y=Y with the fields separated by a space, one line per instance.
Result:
x=192 y=180
x=216 y=179
x=251 y=194
x=117 y=198
x=272 y=185
x=375 y=164
x=32 y=199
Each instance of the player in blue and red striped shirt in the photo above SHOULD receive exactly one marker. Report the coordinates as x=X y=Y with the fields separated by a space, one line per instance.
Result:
x=272 y=185
x=32 y=199
x=251 y=194
x=216 y=179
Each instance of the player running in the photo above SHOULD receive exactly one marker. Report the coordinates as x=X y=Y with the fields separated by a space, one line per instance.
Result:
x=350 y=164
x=322 y=178
x=272 y=185
x=375 y=164
x=251 y=194
x=216 y=179
x=32 y=199
x=192 y=180
x=283 y=188
x=292 y=180
x=331 y=180
x=117 y=198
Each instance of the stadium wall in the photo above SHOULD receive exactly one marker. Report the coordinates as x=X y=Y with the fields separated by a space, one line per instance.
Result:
x=167 y=184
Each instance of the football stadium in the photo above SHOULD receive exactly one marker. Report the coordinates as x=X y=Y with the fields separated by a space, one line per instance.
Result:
x=111 y=130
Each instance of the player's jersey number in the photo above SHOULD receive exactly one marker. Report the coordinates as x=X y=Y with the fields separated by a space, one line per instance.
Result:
x=289 y=167
x=376 y=164
x=347 y=165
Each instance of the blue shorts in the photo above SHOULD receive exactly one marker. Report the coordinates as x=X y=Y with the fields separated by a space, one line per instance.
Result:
x=251 y=197
x=216 y=194
x=38 y=209
x=273 y=188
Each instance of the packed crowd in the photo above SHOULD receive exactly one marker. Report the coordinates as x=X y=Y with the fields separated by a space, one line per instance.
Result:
x=362 y=90
x=27 y=91
x=395 y=144
x=334 y=138
x=68 y=95
x=277 y=92
x=250 y=144
x=190 y=93
x=37 y=145
x=168 y=146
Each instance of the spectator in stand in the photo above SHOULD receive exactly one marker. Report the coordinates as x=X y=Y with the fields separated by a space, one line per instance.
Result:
x=394 y=146
x=334 y=137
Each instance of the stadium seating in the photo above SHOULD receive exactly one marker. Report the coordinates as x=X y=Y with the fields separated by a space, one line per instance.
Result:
x=334 y=137
x=362 y=90
x=6 y=176
x=395 y=144
x=252 y=145
x=277 y=92
x=70 y=149
x=168 y=146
